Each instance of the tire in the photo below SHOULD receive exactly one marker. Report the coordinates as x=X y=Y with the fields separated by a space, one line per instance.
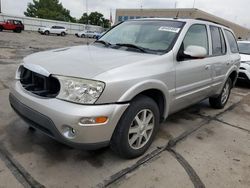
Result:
x=1 y=29
x=83 y=36
x=220 y=101
x=46 y=33
x=63 y=34
x=126 y=144
x=18 y=30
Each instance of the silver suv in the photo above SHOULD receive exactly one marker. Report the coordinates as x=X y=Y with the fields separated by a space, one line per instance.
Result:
x=117 y=90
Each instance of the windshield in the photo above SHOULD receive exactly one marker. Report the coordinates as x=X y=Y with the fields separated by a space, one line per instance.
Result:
x=244 y=48
x=151 y=36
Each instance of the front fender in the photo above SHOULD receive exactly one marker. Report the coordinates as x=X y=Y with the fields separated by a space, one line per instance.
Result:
x=144 y=86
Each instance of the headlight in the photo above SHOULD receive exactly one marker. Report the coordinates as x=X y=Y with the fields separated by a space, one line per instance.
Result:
x=80 y=91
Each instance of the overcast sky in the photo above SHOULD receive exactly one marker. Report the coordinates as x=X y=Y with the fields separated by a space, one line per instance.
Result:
x=234 y=10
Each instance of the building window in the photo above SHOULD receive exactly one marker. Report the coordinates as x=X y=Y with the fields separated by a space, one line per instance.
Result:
x=120 y=18
x=137 y=17
x=125 y=18
x=131 y=17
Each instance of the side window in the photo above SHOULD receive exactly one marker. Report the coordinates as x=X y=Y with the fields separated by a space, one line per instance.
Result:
x=196 y=36
x=232 y=41
x=224 y=46
x=218 y=41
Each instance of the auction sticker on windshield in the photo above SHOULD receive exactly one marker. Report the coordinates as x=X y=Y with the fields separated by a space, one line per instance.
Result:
x=169 y=29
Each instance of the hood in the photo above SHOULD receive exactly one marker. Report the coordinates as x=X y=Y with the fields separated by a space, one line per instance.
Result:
x=82 y=61
x=245 y=57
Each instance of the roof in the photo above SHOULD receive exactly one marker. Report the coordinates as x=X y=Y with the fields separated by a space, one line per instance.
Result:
x=191 y=10
x=187 y=20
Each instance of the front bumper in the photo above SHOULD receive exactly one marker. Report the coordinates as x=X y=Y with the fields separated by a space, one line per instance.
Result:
x=51 y=116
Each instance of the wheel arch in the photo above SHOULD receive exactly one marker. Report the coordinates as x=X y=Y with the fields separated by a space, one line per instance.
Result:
x=154 y=89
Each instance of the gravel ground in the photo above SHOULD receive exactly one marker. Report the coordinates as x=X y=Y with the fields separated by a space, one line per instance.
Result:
x=197 y=147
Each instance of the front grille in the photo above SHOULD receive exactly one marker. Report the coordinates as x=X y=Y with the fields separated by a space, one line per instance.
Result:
x=38 y=84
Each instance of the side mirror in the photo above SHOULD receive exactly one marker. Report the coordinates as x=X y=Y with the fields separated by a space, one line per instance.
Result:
x=195 y=52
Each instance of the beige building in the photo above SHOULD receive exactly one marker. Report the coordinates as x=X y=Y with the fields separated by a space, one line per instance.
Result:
x=127 y=14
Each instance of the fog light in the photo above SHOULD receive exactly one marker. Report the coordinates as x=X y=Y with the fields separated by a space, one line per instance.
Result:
x=93 y=120
x=68 y=132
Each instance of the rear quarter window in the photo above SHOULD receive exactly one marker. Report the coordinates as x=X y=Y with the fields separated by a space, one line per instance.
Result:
x=232 y=41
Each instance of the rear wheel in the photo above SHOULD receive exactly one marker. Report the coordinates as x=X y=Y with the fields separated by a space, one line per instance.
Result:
x=83 y=36
x=137 y=128
x=63 y=34
x=220 y=101
x=1 y=28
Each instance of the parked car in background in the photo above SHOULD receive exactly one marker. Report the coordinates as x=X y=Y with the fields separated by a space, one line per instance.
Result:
x=13 y=25
x=99 y=35
x=244 y=48
x=117 y=90
x=87 y=34
x=56 y=30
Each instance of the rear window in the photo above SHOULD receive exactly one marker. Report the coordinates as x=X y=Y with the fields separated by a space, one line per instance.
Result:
x=232 y=41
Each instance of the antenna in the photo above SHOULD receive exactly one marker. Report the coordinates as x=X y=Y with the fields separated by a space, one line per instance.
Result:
x=87 y=9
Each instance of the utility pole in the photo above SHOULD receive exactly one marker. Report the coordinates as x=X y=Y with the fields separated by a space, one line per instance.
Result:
x=0 y=6
x=194 y=4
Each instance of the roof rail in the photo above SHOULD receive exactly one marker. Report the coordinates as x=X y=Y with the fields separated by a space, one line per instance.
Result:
x=203 y=19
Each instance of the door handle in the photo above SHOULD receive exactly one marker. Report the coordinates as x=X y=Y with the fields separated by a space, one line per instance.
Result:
x=207 y=67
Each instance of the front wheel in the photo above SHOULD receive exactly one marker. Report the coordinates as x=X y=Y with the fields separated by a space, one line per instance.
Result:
x=46 y=32
x=137 y=128
x=1 y=29
x=220 y=101
x=18 y=30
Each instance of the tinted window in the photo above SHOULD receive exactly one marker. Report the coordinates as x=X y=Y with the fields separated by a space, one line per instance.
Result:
x=224 y=46
x=216 y=41
x=232 y=41
x=196 y=36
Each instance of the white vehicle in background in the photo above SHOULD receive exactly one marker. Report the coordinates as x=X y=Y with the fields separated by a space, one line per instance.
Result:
x=244 y=48
x=57 y=30
x=87 y=34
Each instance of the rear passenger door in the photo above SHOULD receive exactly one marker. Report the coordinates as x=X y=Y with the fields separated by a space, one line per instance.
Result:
x=193 y=76
x=218 y=56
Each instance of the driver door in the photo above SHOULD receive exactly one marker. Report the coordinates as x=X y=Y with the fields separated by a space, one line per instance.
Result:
x=193 y=75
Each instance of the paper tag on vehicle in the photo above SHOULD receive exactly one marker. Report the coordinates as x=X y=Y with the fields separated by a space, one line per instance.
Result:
x=170 y=29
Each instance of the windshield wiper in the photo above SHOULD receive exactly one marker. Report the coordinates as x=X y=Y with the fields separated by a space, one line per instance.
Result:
x=131 y=46
x=103 y=42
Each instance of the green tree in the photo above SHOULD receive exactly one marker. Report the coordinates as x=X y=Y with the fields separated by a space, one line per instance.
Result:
x=48 y=9
x=94 y=18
